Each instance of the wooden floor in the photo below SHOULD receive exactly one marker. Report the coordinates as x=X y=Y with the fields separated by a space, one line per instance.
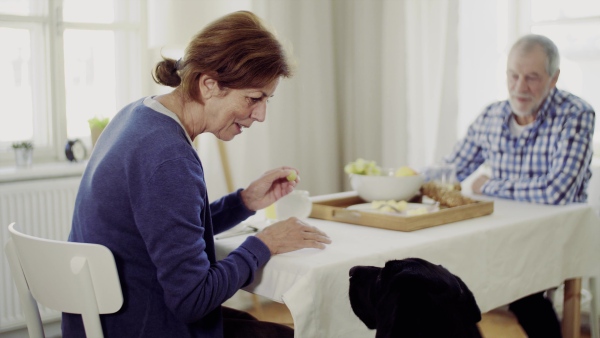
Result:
x=494 y=324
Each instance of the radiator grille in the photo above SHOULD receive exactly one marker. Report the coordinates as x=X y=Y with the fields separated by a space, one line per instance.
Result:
x=42 y=208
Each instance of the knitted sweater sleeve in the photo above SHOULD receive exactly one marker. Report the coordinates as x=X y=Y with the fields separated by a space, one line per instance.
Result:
x=173 y=218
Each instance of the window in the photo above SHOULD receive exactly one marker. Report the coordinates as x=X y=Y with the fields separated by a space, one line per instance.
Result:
x=574 y=25
x=64 y=62
x=485 y=39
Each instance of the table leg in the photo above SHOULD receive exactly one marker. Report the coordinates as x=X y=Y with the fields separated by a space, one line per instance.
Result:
x=571 y=322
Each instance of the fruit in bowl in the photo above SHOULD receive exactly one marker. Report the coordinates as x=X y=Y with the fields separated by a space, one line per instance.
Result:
x=362 y=167
x=405 y=171
x=401 y=183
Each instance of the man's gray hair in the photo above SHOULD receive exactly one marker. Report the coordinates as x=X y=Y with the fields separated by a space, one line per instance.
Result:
x=527 y=42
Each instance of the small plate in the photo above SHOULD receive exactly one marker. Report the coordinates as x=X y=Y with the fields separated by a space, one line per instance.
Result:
x=367 y=207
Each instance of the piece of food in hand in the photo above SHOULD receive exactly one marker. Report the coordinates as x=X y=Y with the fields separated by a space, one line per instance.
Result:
x=405 y=171
x=292 y=176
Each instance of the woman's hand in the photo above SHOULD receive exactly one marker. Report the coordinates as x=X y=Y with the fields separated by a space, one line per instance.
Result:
x=292 y=234
x=270 y=187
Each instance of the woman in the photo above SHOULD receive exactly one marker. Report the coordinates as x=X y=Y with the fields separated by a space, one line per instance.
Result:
x=143 y=194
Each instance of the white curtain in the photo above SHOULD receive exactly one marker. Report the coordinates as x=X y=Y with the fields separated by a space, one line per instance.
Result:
x=301 y=125
x=374 y=79
x=432 y=61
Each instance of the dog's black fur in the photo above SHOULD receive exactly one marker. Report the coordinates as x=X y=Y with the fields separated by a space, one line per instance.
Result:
x=413 y=298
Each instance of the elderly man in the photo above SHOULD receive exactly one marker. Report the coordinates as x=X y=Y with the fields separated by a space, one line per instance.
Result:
x=538 y=147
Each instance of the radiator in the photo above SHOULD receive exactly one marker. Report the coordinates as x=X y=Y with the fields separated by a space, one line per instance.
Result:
x=42 y=208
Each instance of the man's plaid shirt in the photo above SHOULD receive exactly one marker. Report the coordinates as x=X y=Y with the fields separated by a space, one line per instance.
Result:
x=548 y=163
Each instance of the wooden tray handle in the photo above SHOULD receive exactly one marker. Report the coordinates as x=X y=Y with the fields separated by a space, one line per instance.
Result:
x=345 y=214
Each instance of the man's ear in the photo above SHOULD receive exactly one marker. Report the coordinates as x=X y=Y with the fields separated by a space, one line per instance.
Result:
x=208 y=86
x=554 y=79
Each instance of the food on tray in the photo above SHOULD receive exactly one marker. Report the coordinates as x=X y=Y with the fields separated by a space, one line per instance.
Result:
x=417 y=211
x=389 y=206
x=292 y=176
x=362 y=167
x=443 y=195
x=454 y=186
x=405 y=171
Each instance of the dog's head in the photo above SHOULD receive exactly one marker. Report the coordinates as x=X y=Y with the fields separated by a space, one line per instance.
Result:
x=413 y=298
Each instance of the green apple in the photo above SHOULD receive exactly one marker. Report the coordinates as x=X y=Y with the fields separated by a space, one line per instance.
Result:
x=362 y=167
x=292 y=176
x=405 y=171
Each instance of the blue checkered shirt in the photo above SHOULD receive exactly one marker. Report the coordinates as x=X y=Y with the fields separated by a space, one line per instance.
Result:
x=548 y=163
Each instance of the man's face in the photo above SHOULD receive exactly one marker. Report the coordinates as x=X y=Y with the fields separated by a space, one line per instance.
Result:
x=528 y=81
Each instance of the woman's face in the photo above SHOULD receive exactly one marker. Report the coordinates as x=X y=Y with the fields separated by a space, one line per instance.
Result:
x=228 y=111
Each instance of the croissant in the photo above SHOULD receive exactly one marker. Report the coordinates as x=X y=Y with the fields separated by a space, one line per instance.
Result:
x=445 y=196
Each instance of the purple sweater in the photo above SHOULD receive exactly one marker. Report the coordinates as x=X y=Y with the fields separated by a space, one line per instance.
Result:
x=143 y=196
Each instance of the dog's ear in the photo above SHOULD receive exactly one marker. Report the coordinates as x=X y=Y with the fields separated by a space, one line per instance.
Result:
x=363 y=293
x=468 y=304
x=405 y=307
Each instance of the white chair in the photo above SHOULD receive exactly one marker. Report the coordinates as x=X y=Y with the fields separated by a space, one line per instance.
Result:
x=69 y=277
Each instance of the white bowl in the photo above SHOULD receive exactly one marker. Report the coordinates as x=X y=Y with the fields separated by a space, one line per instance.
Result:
x=377 y=188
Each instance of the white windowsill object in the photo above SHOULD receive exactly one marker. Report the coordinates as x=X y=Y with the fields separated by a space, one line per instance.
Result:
x=42 y=171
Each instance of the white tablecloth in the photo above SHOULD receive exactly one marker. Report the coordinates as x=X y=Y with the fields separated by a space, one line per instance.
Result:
x=519 y=249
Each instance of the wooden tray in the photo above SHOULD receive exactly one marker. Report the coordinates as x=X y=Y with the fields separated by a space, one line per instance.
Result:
x=335 y=210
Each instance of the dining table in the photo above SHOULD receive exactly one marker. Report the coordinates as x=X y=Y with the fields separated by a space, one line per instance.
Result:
x=519 y=249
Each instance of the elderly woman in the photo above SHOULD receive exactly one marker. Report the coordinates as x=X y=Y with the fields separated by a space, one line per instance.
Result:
x=143 y=194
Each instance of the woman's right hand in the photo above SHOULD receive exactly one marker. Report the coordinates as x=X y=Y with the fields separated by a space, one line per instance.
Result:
x=292 y=234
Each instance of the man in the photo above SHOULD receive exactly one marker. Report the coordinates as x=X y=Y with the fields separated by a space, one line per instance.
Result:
x=538 y=146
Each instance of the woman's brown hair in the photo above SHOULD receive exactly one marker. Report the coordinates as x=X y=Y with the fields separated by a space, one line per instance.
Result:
x=237 y=50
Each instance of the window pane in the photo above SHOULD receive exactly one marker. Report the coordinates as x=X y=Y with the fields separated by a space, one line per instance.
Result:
x=573 y=38
x=89 y=78
x=579 y=45
x=544 y=10
x=22 y=7
x=16 y=117
x=89 y=11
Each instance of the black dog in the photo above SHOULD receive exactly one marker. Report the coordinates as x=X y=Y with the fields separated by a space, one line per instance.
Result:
x=413 y=298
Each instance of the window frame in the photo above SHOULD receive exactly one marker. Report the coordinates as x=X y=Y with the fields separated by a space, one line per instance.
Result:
x=47 y=47
x=525 y=25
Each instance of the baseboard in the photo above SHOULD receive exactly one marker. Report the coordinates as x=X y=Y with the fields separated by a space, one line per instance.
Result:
x=51 y=330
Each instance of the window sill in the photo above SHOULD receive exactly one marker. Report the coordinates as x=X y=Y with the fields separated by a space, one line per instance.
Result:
x=41 y=171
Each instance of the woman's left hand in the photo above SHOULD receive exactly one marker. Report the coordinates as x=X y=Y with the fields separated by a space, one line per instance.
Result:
x=270 y=187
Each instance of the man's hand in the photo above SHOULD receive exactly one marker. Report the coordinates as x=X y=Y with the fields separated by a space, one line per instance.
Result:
x=478 y=183
x=292 y=234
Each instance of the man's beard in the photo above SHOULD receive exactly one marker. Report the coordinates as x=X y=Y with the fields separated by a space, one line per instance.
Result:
x=521 y=113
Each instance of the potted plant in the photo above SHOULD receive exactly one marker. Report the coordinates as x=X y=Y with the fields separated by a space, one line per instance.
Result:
x=23 y=153
x=97 y=125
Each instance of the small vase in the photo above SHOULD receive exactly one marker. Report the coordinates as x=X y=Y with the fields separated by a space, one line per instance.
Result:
x=23 y=157
x=95 y=131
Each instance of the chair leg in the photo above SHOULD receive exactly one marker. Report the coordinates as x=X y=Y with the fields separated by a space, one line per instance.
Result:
x=595 y=331
x=90 y=315
x=28 y=303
